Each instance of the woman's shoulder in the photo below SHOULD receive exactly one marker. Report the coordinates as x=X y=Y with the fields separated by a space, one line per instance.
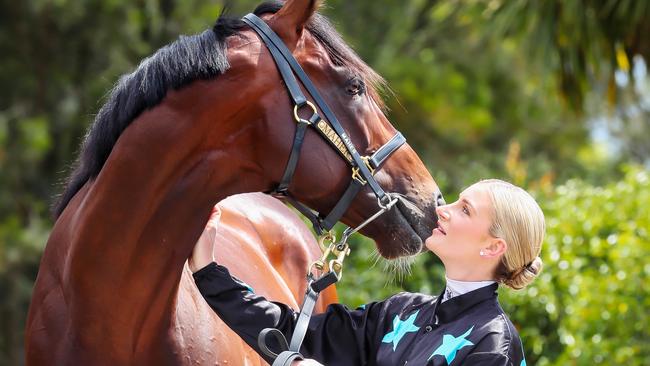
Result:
x=499 y=332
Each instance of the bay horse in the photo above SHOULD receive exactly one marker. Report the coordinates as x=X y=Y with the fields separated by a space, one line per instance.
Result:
x=202 y=119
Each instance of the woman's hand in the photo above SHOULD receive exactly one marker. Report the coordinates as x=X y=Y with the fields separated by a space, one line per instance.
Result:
x=308 y=362
x=203 y=253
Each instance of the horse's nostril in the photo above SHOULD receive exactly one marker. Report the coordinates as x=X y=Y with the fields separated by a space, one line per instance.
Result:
x=440 y=201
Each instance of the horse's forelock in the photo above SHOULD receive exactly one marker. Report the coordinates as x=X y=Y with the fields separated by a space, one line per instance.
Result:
x=339 y=51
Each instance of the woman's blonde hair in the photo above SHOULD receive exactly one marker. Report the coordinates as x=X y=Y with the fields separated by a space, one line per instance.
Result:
x=519 y=221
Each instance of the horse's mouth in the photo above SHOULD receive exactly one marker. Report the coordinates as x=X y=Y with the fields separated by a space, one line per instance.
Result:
x=414 y=227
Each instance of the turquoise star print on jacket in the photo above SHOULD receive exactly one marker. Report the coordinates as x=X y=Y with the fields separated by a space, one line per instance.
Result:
x=400 y=328
x=450 y=345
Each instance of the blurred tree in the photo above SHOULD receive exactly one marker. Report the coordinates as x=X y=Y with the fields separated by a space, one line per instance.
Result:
x=461 y=93
x=627 y=124
x=581 y=40
x=593 y=47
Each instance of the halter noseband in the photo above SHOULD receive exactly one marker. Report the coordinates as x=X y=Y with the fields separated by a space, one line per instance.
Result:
x=363 y=167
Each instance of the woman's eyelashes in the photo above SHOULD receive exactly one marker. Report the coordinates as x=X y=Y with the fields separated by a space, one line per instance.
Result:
x=465 y=210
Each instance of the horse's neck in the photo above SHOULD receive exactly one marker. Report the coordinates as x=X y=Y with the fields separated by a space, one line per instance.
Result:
x=131 y=229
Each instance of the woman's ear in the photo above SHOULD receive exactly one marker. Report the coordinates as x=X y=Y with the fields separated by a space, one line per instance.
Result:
x=495 y=248
x=290 y=20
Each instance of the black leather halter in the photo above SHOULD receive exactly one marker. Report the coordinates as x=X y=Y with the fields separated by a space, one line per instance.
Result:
x=363 y=167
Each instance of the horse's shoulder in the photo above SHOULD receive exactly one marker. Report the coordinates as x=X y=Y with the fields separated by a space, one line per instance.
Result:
x=269 y=219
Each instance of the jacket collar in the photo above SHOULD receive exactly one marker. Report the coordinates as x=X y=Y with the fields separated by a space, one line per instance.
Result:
x=452 y=308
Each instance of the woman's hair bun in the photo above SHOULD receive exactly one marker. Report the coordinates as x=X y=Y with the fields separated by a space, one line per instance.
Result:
x=520 y=278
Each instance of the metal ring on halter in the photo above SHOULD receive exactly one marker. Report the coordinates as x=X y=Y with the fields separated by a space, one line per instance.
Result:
x=383 y=208
x=322 y=264
x=391 y=202
x=346 y=234
x=302 y=120
x=329 y=236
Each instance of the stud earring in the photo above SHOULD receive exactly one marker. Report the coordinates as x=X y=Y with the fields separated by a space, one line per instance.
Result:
x=481 y=253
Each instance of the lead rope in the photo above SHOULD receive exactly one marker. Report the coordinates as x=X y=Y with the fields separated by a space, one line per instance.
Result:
x=330 y=273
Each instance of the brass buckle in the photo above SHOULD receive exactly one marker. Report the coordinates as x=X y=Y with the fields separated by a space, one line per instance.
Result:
x=356 y=174
x=341 y=251
x=338 y=250
x=321 y=264
x=302 y=120
x=366 y=160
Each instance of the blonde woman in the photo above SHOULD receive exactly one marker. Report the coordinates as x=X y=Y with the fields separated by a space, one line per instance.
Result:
x=492 y=235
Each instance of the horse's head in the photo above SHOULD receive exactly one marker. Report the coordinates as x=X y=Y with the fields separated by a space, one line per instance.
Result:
x=350 y=88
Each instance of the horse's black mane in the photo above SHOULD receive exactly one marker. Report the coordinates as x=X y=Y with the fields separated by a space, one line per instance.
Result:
x=190 y=58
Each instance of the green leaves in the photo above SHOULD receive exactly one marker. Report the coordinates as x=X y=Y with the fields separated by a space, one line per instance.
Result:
x=34 y=137
x=593 y=293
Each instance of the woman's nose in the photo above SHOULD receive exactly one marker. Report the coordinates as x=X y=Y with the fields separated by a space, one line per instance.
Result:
x=443 y=213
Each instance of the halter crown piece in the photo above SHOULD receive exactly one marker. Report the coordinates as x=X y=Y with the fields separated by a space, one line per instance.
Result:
x=363 y=168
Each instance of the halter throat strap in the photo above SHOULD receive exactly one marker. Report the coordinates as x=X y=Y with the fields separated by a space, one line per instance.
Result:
x=362 y=168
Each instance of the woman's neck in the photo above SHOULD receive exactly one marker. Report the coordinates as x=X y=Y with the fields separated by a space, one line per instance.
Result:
x=468 y=274
x=461 y=270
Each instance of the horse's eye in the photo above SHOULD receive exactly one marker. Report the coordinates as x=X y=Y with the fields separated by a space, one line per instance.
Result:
x=355 y=86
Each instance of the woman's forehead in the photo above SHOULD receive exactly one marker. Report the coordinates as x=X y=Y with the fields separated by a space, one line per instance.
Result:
x=478 y=197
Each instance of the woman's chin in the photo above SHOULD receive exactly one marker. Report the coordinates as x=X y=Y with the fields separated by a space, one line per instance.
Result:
x=430 y=244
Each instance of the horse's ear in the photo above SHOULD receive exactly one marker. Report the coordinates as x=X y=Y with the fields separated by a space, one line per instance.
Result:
x=291 y=19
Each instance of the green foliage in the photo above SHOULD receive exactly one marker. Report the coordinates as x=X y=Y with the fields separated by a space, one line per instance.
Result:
x=578 y=39
x=590 y=305
x=20 y=249
x=460 y=93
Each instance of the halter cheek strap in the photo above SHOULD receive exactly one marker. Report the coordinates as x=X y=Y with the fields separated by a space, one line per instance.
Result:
x=363 y=168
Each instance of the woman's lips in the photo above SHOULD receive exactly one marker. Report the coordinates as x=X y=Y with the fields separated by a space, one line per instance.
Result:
x=440 y=230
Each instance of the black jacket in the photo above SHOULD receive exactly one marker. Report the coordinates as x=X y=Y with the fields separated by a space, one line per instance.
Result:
x=405 y=329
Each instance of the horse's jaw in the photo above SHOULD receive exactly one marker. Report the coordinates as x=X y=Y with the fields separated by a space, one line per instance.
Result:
x=403 y=230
